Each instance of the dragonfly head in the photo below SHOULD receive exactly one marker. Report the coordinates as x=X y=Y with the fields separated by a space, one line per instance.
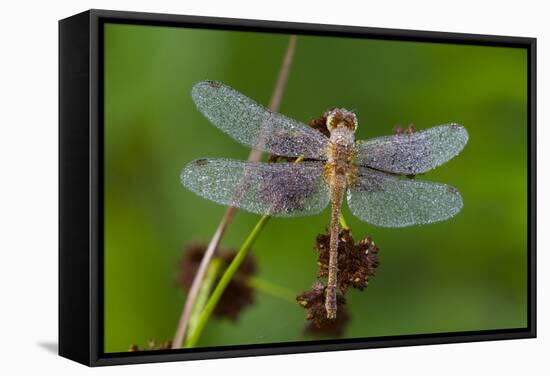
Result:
x=341 y=118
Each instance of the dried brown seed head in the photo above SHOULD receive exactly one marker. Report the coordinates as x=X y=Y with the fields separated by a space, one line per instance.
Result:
x=320 y=124
x=152 y=345
x=314 y=302
x=410 y=129
x=357 y=262
x=333 y=328
x=397 y=129
x=237 y=295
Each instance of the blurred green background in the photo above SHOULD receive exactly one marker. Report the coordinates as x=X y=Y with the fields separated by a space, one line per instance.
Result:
x=468 y=273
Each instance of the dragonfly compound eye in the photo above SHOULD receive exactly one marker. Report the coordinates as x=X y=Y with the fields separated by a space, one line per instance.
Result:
x=341 y=118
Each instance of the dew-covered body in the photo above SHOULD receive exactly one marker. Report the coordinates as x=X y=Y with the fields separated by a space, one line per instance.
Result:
x=370 y=173
x=340 y=171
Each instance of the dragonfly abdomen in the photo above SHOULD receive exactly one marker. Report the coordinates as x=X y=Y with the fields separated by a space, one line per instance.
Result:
x=337 y=190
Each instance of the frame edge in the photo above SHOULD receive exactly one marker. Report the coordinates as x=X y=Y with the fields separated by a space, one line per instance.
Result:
x=74 y=161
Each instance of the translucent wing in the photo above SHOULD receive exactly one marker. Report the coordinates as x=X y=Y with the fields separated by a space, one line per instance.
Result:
x=278 y=189
x=413 y=153
x=391 y=201
x=253 y=125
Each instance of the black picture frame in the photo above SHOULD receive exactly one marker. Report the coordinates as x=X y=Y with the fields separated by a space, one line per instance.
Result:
x=81 y=182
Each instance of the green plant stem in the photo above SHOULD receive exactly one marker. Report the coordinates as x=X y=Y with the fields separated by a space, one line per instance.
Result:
x=271 y=289
x=204 y=292
x=343 y=222
x=224 y=281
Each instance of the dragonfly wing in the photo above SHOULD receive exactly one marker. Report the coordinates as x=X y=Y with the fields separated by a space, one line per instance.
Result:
x=391 y=201
x=413 y=153
x=277 y=189
x=255 y=126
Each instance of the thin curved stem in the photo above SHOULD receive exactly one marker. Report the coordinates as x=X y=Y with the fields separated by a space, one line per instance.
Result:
x=204 y=292
x=254 y=156
x=199 y=277
x=224 y=281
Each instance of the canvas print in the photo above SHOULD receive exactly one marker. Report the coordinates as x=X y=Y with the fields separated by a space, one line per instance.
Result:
x=267 y=188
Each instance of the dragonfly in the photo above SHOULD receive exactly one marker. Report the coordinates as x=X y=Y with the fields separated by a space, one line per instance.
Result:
x=372 y=173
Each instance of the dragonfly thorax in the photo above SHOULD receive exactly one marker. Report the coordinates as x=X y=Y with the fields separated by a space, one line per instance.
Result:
x=341 y=152
x=341 y=143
